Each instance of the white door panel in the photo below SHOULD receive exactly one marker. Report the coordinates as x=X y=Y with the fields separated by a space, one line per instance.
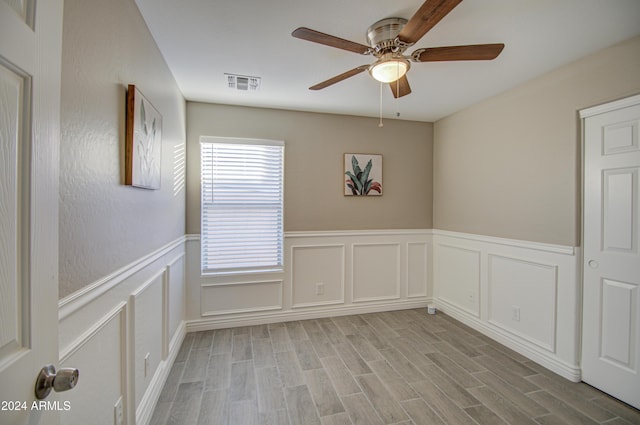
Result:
x=619 y=215
x=611 y=274
x=618 y=340
x=30 y=54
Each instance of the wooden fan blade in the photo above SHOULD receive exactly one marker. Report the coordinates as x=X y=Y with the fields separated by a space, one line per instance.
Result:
x=400 y=87
x=460 y=53
x=330 y=40
x=430 y=13
x=338 y=78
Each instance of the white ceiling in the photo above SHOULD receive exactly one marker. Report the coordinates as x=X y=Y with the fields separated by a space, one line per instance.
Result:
x=201 y=40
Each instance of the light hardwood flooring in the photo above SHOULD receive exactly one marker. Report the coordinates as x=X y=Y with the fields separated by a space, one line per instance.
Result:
x=403 y=367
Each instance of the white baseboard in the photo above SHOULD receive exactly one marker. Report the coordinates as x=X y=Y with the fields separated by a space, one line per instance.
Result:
x=259 y=318
x=531 y=351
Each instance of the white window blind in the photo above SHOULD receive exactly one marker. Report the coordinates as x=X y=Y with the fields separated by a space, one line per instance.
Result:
x=242 y=185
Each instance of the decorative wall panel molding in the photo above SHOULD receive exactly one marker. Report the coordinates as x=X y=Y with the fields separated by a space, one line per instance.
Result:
x=104 y=343
x=417 y=269
x=240 y=297
x=326 y=274
x=173 y=302
x=124 y=334
x=528 y=294
x=318 y=271
x=522 y=299
x=146 y=331
x=376 y=272
x=459 y=266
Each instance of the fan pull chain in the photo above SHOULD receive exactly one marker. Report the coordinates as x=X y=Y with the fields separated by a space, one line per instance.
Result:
x=398 y=98
x=397 y=81
x=398 y=89
x=380 y=123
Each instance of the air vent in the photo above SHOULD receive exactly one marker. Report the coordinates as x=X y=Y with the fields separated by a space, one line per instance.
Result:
x=243 y=82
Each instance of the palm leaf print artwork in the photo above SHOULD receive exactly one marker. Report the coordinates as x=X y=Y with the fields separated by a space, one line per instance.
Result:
x=361 y=181
x=143 y=142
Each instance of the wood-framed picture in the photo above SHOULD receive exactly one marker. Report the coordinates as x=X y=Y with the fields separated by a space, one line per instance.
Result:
x=143 y=141
x=363 y=174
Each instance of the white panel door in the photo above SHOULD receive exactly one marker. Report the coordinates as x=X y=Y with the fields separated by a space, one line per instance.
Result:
x=30 y=55
x=611 y=273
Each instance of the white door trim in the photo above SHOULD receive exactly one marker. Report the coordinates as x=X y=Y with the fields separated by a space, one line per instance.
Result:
x=601 y=109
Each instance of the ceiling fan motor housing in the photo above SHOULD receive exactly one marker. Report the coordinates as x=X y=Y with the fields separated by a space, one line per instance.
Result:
x=383 y=35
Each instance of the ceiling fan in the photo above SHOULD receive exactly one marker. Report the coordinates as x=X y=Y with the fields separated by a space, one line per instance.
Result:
x=388 y=40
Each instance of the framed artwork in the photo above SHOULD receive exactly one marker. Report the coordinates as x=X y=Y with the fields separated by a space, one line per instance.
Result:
x=363 y=174
x=143 y=142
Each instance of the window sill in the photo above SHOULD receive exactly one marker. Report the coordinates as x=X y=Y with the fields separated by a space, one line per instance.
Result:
x=242 y=272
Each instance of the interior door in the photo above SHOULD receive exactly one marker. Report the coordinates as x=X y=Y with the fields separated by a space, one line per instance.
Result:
x=611 y=270
x=30 y=57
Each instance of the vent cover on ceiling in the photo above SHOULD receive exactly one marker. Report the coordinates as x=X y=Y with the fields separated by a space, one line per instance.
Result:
x=243 y=82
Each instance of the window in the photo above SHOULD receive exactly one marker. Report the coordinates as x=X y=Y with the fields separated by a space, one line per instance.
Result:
x=242 y=184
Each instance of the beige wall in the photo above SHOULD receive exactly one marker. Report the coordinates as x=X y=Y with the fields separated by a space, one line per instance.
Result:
x=510 y=166
x=105 y=225
x=314 y=148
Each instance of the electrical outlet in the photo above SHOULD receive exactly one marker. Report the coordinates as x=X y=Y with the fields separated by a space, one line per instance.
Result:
x=319 y=288
x=515 y=313
x=146 y=364
x=117 y=412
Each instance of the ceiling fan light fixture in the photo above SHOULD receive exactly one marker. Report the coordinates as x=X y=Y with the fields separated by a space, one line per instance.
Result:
x=389 y=68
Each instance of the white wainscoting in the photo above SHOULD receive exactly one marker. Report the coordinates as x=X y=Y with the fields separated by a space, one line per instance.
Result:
x=123 y=333
x=525 y=295
x=325 y=274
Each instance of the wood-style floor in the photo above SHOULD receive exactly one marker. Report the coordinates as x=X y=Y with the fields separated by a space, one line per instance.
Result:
x=402 y=367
